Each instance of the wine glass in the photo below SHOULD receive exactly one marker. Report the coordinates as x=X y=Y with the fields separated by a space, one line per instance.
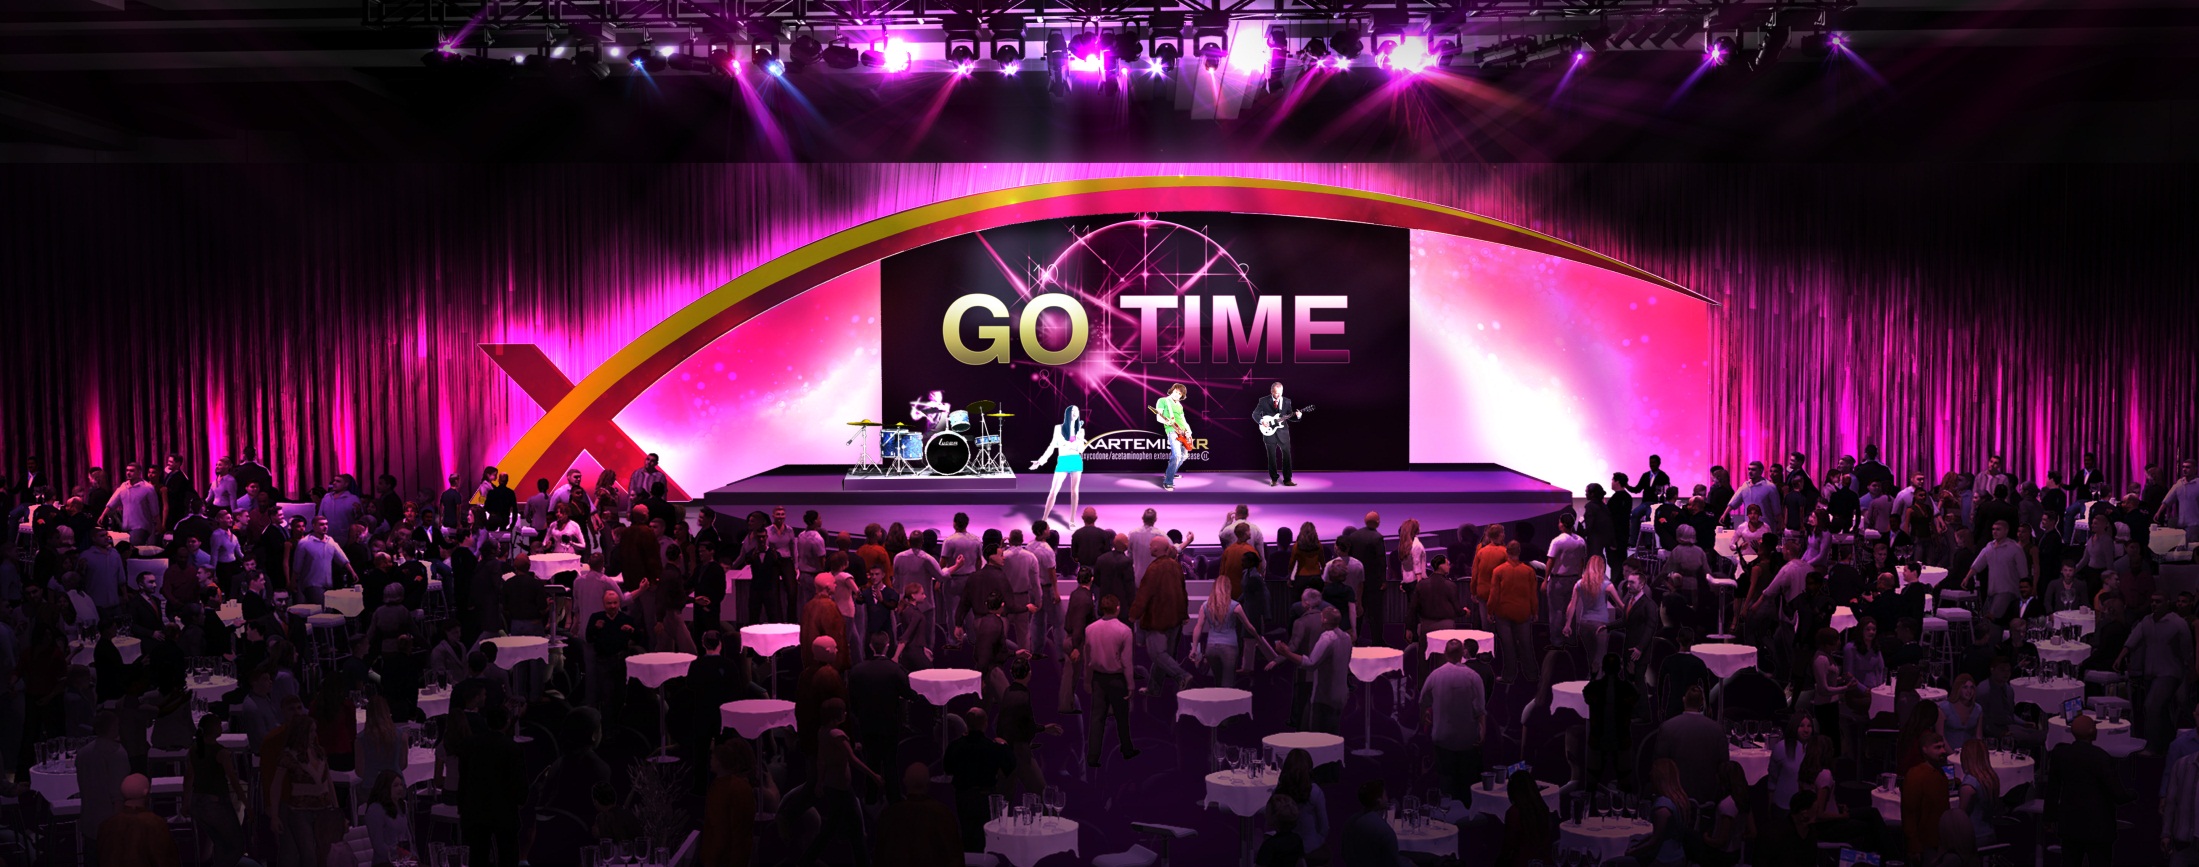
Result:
x=1057 y=799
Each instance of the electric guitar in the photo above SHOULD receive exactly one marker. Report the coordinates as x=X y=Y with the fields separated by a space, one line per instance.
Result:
x=1183 y=434
x=1269 y=424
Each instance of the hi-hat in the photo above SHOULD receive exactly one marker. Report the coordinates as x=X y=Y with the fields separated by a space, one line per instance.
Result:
x=864 y=423
x=1000 y=415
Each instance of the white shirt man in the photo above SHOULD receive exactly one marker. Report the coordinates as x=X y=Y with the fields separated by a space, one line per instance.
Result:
x=313 y=562
x=137 y=504
x=2183 y=501
x=1141 y=543
x=1755 y=492
x=1456 y=703
x=589 y=585
x=1237 y=516
x=572 y=494
x=2004 y=563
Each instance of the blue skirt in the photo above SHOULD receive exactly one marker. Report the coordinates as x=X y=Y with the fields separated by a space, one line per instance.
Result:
x=1068 y=463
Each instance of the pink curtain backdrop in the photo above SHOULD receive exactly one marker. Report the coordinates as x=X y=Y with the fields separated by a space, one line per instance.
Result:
x=331 y=314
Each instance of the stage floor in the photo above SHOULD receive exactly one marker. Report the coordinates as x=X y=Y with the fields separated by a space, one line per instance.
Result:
x=1440 y=497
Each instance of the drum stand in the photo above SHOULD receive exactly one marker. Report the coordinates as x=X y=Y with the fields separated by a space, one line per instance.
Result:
x=899 y=466
x=866 y=461
x=987 y=460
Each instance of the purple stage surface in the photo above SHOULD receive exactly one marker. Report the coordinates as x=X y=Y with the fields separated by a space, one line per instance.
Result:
x=1441 y=497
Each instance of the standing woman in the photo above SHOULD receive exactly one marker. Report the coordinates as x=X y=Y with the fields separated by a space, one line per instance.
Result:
x=566 y=535
x=1223 y=625
x=210 y=776
x=1588 y=615
x=1412 y=558
x=1305 y=561
x=1067 y=448
x=611 y=497
x=1830 y=684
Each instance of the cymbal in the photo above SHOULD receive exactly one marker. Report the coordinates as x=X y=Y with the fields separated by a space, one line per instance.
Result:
x=1000 y=415
x=897 y=425
x=982 y=406
x=864 y=423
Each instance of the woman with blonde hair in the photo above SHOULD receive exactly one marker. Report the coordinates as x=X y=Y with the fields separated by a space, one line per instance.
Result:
x=1412 y=558
x=1224 y=626
x=1590 y=613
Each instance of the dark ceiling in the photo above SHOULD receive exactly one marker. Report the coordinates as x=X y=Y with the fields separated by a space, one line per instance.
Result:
x=241 y=81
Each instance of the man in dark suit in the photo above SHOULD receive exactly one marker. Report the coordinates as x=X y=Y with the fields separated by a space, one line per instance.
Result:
x=878 y=692
x=492 y=791
x=1278 y=443
x=1365 y=545
x=1089 y=541
x=1114 y=574
x=2082 y=794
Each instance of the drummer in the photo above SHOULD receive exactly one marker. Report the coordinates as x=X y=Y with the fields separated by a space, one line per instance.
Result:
x=931 y=409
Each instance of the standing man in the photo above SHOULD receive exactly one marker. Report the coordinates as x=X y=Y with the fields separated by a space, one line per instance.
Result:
x=809 y=553
x=1107 y=670
x=2003 y=562
x=1021 y=569
x=177 y=496
x=1089 y=541
x=314 y=561
x=1175 y=430
x=2162 y=646
x=2082 y=794
x=1159 y=610
x=1365 y=546
x=1075 y=619
x=1330 y=661
x=1568 y=558
x=963 y=553
x=1114 y=574
x=137 y=504
x=1756 y=492
x=2182 y=501
x=1141 y=542
x=647 y=478
x=1453 y=702
x=1274 y=415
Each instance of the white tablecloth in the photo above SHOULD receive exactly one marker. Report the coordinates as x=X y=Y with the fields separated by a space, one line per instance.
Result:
x=1324 y=747
x=49 y=780
x=2165 y=539
x=1843 y=619
x=1724 y=543
x=548 y=565
x=348 y=601
x=1608 y=838
x=1882 y=698
x=1725 y=659
x=941 y=685
x=653 y=669
x=434 y=704
x=2113 y=735
x=1493 y=802
x=2014 y=769
x=1437 y=837
x=1932 y=575
x=1240 y=792
x=419 y=766
x=81 y=651
x=752 y=717
x=1755 y=762
x=2081 y=618
x=514 y=649
x=2047 y=694
x=767 y=639
x=1570 y=694
x=1024 y=845
x=1213 y=704
x=2057 y=650
x=1368 y=663
x=1441 y=637
x=212 y=688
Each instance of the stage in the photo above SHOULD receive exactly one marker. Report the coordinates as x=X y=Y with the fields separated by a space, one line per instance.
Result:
x=1441 y=497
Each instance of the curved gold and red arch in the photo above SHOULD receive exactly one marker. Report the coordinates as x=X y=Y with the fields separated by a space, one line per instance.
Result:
x=581 y=416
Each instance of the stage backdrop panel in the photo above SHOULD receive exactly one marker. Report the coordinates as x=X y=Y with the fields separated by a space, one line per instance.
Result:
x=1560 y=370
x=1223 y=303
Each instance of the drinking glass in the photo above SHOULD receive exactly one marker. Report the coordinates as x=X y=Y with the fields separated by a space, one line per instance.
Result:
x=661 y=856
x=1057 y=798
x=1412 y=805
x=1435 y=798
x=998 y=805
x=1030 y=806
x=587 y=856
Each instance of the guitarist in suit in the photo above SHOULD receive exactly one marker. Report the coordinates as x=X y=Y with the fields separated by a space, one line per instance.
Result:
x=1175 y=430
x=1274 y=414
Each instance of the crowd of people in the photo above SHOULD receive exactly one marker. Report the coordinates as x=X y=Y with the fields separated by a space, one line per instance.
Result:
x=1866 y=682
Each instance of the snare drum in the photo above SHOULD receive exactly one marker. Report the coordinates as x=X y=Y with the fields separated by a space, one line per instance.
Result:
x=959 y=421
x=903 y=444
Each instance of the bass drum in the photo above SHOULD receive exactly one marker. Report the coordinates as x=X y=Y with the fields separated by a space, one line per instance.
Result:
x=947 y=453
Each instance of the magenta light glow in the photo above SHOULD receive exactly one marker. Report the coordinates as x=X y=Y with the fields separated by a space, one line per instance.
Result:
x=1249 y=61
x=1580 y=359
x=898 y=56
x=1411 y=55
x=1088 y=63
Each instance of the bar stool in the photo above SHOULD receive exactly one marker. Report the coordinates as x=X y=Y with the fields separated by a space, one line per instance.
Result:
x=436 y=605
x=330 y=633
x=1962 y=599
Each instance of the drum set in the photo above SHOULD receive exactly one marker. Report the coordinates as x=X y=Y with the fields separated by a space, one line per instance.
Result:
x=954 y=450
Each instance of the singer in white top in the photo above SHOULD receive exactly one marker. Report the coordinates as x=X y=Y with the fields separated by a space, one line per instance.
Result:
x=1067 y=450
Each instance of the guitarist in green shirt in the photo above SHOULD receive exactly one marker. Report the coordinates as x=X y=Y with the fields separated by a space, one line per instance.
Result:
x=1175 y=430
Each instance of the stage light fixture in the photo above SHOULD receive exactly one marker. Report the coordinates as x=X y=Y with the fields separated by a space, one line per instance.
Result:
x=805 y=51
x=1346 y=43
x=1773 y=43
x=722 y=62
x=1315 y=49
x=1008 y=56
x=1129 y=46
x=965 y=67
x=1212 y=54
x=1717 y=51
x=1206 y=25
x=840 y=55
x=647 y=58
x=1411 y=55
x=961 y=54
x=1166 y=54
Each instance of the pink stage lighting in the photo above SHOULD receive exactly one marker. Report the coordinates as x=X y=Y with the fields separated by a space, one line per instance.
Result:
x=898 y=56
x=1249 y=60
x=1411 y=55
x=965 y=68
x=1092 y=62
